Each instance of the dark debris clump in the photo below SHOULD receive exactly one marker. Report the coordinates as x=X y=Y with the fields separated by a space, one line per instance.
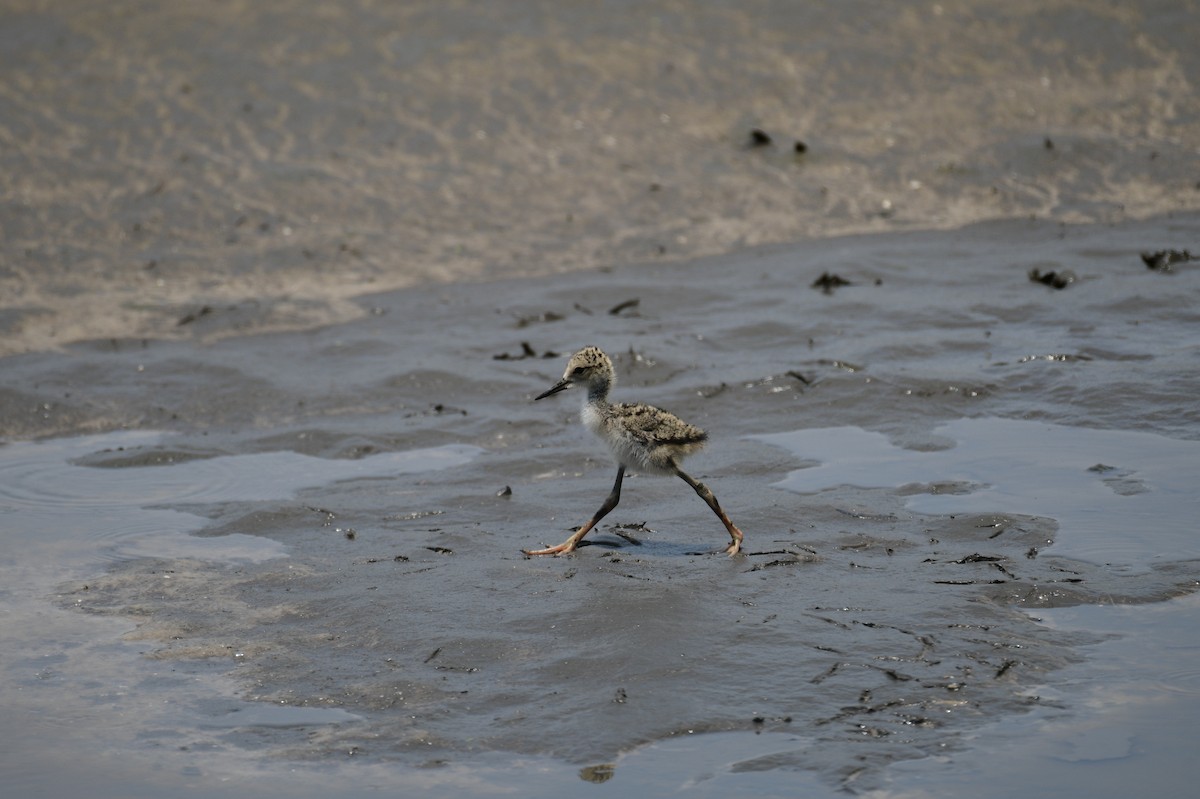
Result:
x=1165 y=260
x=1053 y=279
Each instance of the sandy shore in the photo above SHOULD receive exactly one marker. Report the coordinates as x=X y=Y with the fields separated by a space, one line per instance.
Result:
x=274 y=160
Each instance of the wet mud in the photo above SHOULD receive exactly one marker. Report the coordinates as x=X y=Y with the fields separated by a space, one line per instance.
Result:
x=394 y=480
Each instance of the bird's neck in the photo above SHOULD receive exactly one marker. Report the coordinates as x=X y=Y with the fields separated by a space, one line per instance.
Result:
x=597 y=392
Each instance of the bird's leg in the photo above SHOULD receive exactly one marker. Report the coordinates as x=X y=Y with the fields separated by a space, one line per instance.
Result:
x=569 y=545
x=735 y=545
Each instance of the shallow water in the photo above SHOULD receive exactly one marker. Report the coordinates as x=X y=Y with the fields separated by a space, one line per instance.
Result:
x=1102 y=487
x=1077 y=722
x=1123 y=719
x=341 y=540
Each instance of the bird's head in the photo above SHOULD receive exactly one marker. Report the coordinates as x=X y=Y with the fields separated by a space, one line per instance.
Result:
x=589 y=367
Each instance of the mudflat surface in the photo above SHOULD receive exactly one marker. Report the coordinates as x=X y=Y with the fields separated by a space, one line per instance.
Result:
x=333 y=524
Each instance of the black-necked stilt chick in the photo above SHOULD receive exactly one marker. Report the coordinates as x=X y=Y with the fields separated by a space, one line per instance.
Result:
x=642 y=437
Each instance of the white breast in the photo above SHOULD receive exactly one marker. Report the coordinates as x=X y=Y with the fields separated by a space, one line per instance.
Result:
x=591 y=419
x=624 y=448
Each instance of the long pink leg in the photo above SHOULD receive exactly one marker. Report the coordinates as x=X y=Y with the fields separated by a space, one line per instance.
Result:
x=735 y=534
x=569 y=545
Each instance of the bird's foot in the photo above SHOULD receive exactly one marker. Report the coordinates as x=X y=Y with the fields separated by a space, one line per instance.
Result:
x=734 y=548
x=565 y=548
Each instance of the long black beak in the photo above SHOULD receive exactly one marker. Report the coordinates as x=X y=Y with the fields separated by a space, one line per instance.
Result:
x=561 y=385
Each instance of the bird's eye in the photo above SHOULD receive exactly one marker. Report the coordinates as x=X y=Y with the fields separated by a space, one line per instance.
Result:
x=578 y=370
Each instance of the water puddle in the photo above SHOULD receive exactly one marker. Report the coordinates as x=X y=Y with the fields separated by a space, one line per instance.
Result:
x=260 y=714
x=104 y=494
x=1122 y=723
x=1121 y=498
x=77 y=683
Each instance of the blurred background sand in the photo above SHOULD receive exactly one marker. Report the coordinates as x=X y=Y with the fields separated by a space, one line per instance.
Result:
x=281 y=157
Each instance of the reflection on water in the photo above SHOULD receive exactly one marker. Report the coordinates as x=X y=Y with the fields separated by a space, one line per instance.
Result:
x=47 y=491
x=1119 y=497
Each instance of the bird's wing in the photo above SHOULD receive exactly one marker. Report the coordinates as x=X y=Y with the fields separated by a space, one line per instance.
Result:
x=656 y=426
